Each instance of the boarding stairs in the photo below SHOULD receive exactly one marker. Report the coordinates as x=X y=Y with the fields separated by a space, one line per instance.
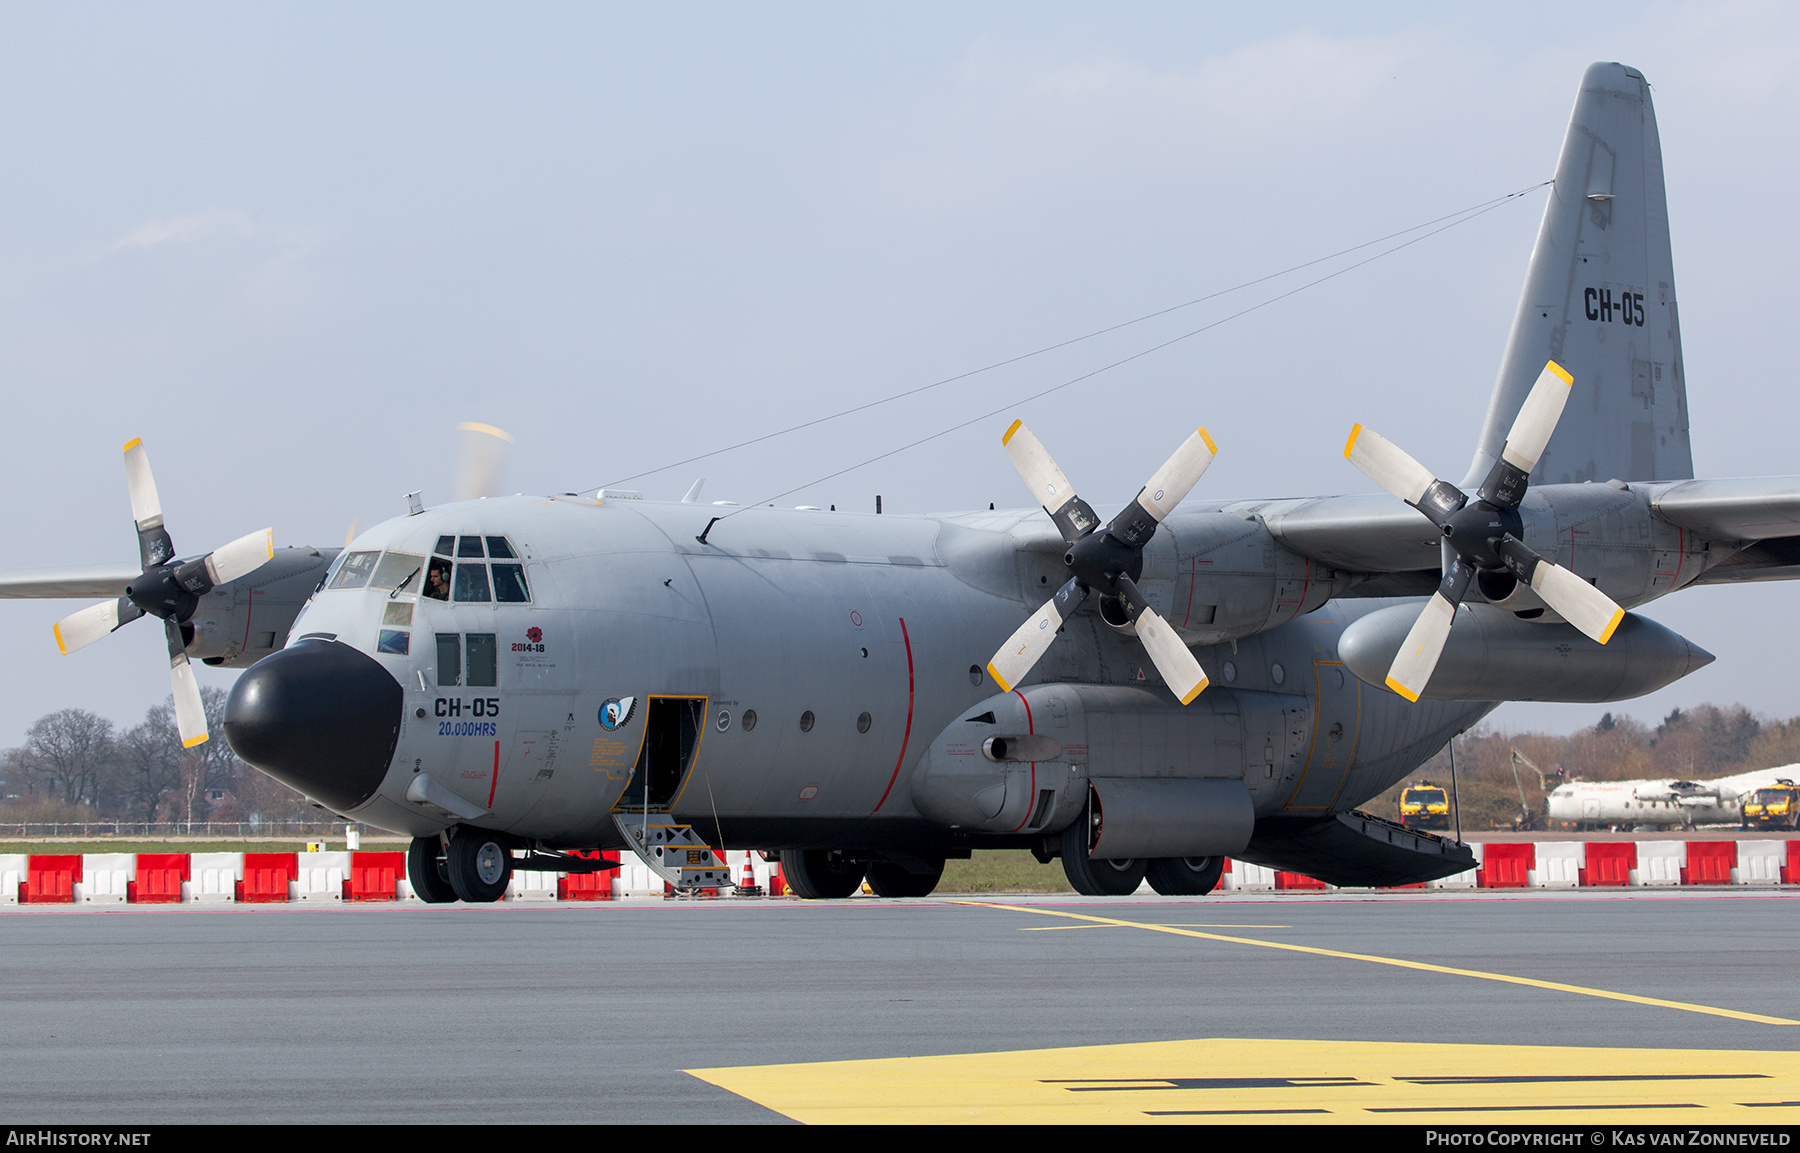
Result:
x=673 y=851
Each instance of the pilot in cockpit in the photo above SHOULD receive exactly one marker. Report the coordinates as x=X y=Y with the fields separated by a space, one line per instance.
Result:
x=437 y=580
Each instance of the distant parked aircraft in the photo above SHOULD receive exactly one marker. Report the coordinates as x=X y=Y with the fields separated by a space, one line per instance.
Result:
x=1661 y=801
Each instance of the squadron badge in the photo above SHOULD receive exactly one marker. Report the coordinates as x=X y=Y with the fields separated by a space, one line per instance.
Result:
x=616 y=712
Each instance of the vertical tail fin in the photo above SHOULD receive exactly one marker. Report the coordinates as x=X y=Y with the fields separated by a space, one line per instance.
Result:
x=1599 y=299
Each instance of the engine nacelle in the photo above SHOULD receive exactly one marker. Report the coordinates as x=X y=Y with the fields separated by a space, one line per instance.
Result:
x=1167 y=780
x=1503 y=590
x=237 y=624
x=1492 y=655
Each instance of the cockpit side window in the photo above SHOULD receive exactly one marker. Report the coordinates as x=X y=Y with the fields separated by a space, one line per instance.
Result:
x=500 y=548
x=449 y=660
x=437 y=580
x=446 y=546
x=472 y=583
x=484 y=661
x=354 y=570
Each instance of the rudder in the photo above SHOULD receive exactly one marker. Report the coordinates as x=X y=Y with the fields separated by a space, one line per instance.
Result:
x=1599 y=299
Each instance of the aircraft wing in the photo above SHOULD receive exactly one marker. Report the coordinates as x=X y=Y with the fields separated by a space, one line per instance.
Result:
x=1764 y=511
x=89 y=581
x=1751 y=509
x=1376 y=534
x=1371 y=533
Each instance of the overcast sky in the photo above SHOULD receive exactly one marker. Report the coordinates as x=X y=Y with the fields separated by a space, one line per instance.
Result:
x=292 y=246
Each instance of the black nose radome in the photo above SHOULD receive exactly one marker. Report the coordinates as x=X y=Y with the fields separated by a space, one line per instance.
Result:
x=319 y=717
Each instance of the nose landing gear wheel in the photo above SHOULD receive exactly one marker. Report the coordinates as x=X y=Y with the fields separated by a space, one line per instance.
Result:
x=479 y=865
x=821 y=874
x=427 y=873
x=1185 y=876
x=892 y=879
x=1093 y=878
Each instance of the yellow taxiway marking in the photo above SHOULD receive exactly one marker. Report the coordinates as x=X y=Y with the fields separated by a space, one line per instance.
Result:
x=1398 y=962
x=1239 y=1080
x=1175 y=925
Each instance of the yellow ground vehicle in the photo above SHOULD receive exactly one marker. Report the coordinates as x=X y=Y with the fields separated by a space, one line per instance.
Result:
x=1424 y=806
x=1776 y=807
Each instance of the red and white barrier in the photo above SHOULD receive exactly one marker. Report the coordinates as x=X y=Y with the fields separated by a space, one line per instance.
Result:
x=159 y=879
x=280 y=878
x=320 y=876
x=104 y=878
x=213 y=877
x=12 y=875
x=1661 y=862
x=1760 y=862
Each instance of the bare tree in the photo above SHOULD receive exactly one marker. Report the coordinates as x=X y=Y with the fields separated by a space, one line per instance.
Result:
x=72 y=749
x=150 y=757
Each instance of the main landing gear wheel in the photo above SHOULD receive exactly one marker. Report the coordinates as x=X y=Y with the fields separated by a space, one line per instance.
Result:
x=427 y=873
x=1185 y=876
x=1093 y=878
x=821 y=874
x=478 y=864
x=892 y=879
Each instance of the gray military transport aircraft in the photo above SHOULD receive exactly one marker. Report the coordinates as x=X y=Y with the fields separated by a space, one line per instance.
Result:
x=512 y=679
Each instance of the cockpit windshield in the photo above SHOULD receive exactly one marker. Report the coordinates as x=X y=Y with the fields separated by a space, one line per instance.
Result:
x=354 y=570
x=468 y=580
x=398 y=571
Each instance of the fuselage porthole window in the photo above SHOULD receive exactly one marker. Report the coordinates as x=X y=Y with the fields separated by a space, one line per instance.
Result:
x=806 y=721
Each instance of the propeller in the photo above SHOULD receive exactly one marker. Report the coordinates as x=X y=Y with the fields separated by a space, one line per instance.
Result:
x=1105 y=559
x=1483 y=534
x=169 y=587
x=484 y=451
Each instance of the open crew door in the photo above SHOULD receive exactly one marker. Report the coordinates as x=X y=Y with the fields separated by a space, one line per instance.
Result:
x=671 y=738
x=673 y=851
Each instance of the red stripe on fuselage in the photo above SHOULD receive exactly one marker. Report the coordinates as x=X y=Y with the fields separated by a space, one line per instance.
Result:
x=1031 y=728
x=907 y=736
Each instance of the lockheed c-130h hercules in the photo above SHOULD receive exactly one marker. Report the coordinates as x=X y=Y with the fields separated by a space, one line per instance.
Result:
x=1145 y=694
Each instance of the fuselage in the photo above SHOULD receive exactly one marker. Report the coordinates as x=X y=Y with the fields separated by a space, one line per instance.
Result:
x=801 y=666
